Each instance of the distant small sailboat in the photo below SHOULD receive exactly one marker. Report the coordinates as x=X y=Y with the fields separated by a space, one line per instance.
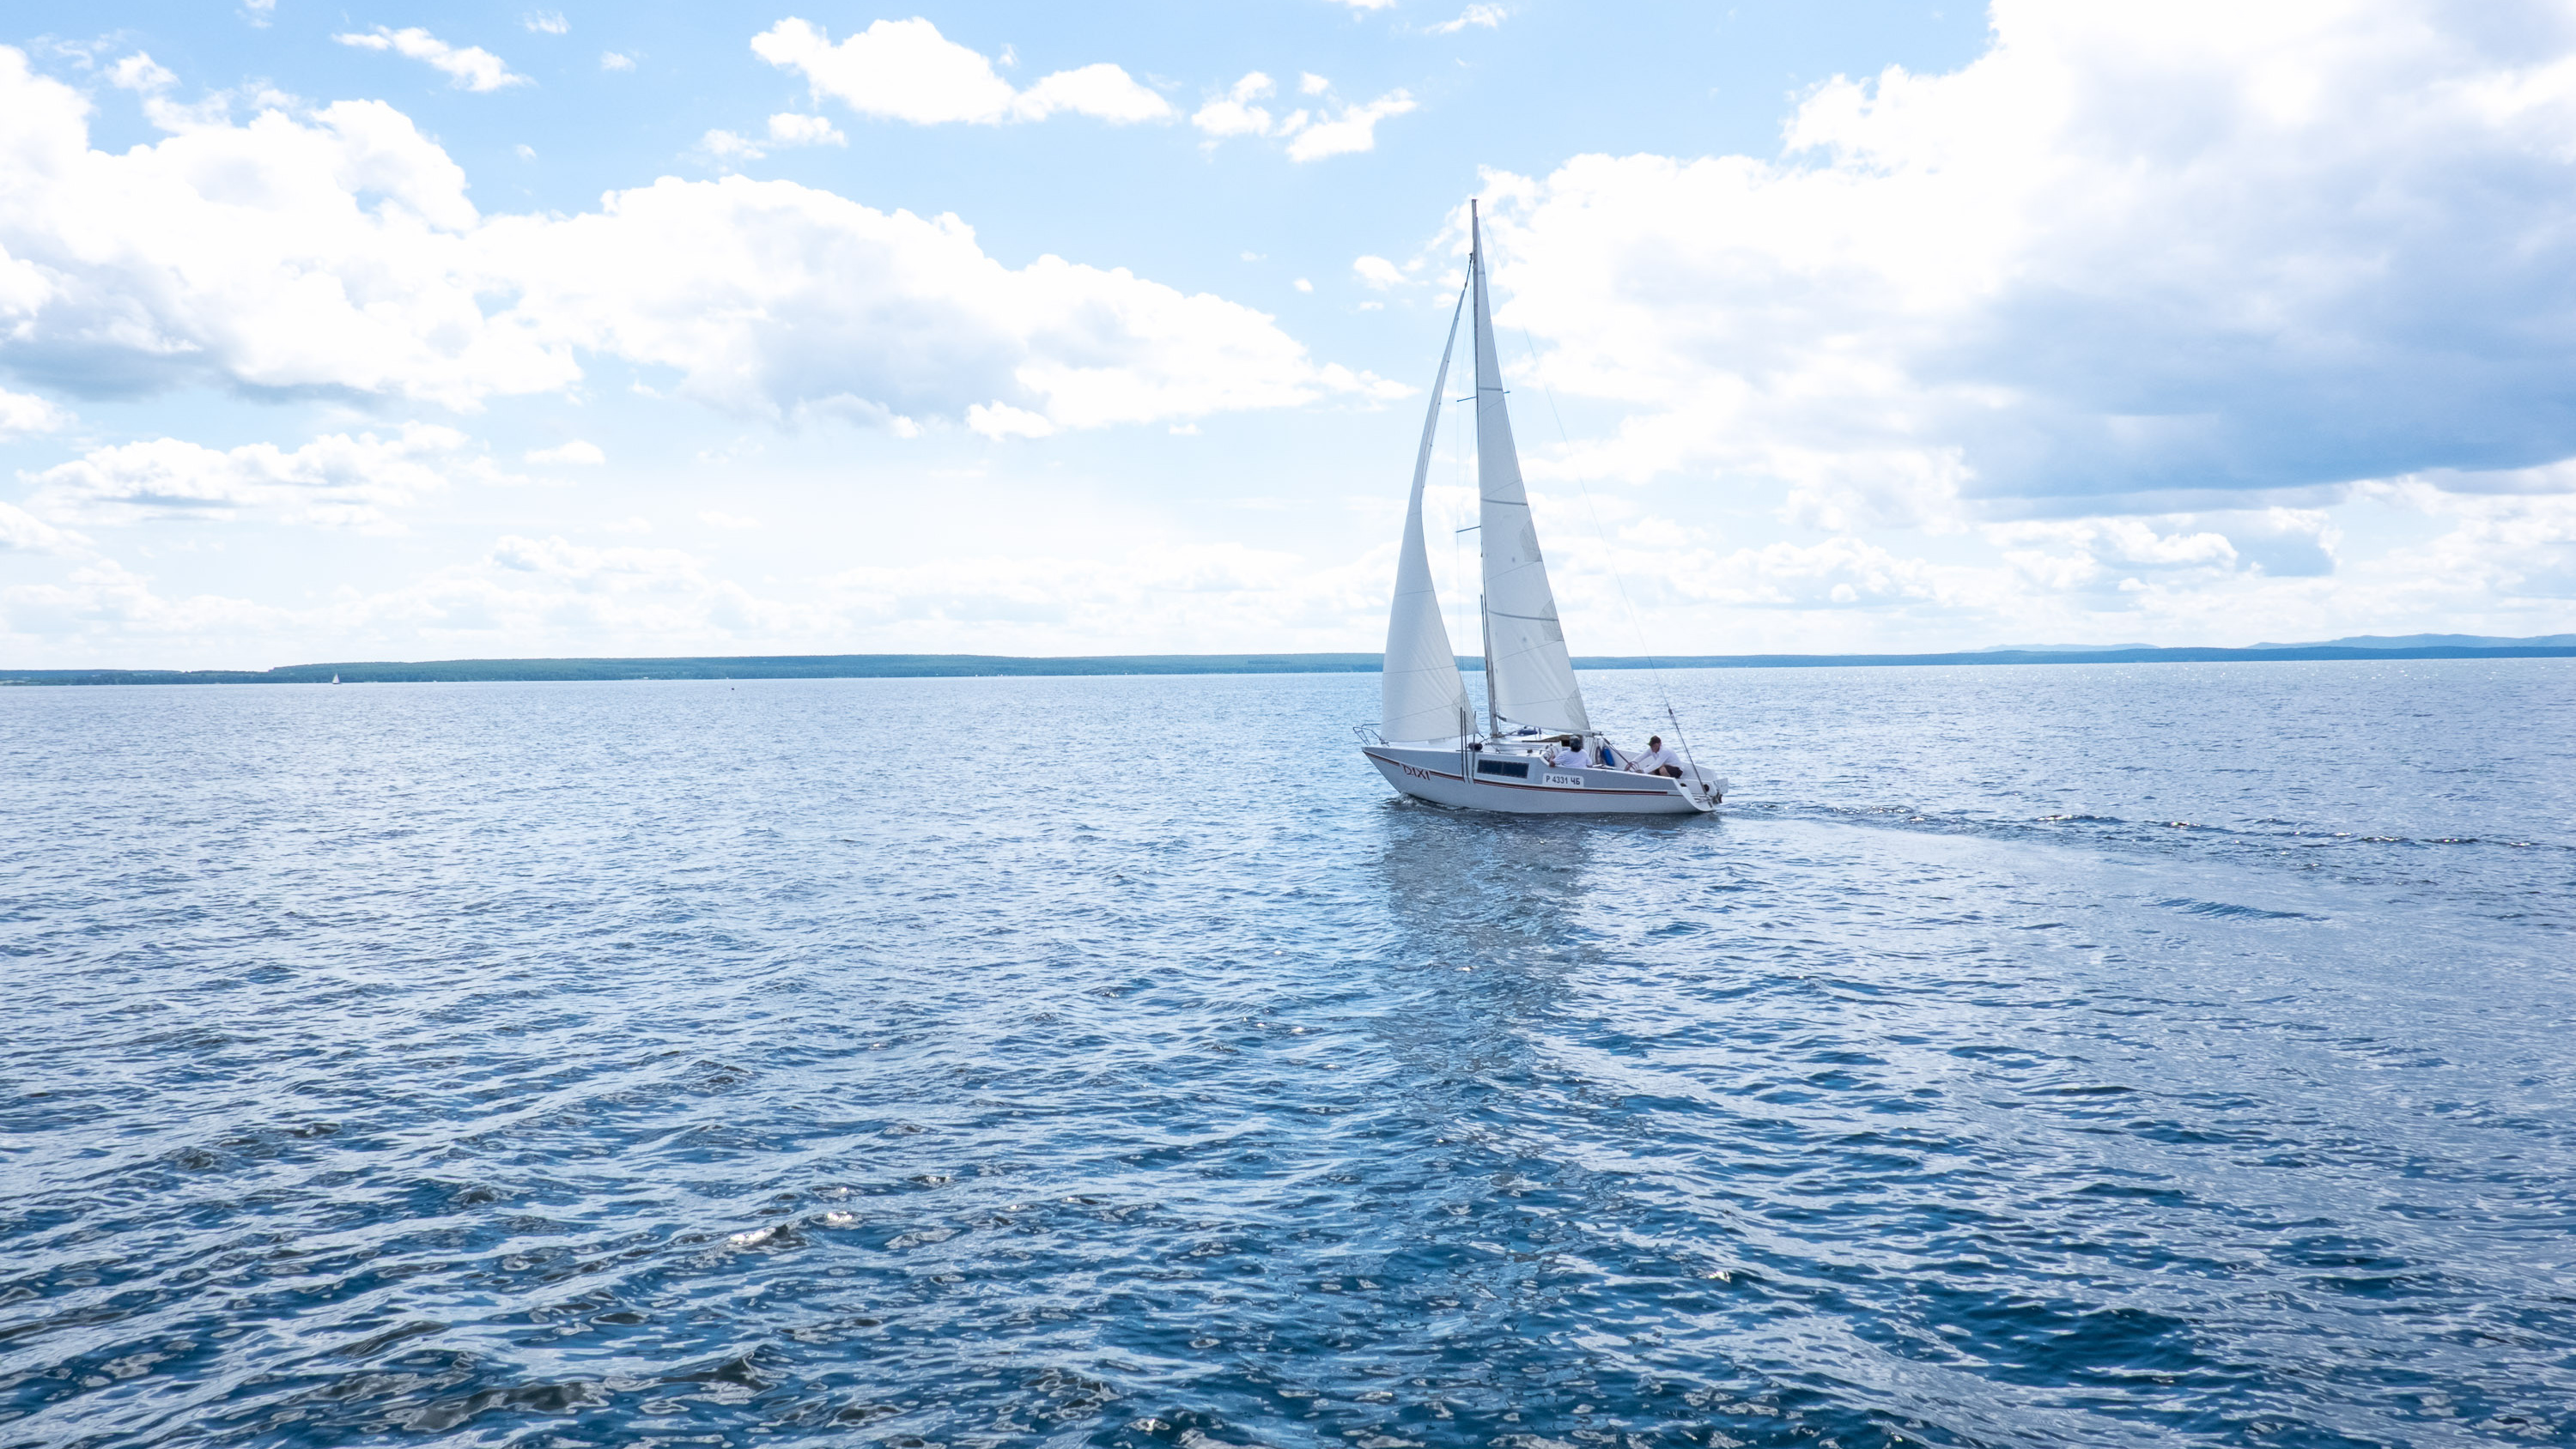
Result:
x=1427 y=743
x=335 y=679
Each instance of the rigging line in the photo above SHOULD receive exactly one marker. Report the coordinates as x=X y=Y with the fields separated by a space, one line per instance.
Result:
x=1654 y=664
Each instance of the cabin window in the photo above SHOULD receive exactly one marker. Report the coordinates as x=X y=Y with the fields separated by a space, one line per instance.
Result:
x=1517 y=769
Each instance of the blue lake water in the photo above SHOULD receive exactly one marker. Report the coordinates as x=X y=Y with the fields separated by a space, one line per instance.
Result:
x=2117 y=1055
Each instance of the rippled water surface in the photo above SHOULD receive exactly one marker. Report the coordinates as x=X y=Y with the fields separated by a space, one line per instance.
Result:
x=2162 y=1054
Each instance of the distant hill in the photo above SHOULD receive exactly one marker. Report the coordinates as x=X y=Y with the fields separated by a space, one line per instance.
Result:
x=928 y=666
x=2358 y=641
x=2434 y=641
x=2512 y=649
x=2057 y=648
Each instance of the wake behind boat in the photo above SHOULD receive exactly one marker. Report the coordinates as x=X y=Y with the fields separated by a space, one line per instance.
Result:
x=1537 y=753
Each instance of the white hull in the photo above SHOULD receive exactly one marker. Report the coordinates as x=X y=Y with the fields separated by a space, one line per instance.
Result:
x=1450 y=777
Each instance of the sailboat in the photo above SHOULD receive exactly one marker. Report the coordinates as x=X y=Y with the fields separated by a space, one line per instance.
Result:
x=1428 y=743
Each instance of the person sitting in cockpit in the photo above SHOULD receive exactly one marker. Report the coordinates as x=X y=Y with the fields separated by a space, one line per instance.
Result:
x=1568 y=755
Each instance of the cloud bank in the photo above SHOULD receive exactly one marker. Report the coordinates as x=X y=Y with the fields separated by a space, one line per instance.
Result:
x=2199 y=255
x=336 y=252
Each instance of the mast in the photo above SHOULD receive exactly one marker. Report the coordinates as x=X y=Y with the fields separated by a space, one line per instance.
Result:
x=1485 y=622
x=1484 y=619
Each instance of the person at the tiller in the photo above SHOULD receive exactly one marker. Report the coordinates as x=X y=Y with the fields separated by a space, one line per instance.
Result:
x=1657 y=760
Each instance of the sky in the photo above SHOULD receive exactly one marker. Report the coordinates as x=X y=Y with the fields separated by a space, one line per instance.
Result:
x=395 y=331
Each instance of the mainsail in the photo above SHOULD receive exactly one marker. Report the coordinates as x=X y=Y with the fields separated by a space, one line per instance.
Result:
x=1424 y=698
x=1528 y=674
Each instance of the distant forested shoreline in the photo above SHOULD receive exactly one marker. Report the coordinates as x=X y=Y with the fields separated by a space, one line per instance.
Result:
x=935 y=666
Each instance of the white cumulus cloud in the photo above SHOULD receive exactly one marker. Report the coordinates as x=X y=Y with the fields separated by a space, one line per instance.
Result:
x=466 y=67
x=1352 y=129
x=905 y=70
x=1310 y=135
x=1489 y=16
x=338 y=480
x=785 y=129
x=789 y=129
x=1001 y=420
x=139 y=72
x=1377 y=272
x=576 y=453
x=768 y=297
x=601 y=570
x=24 y=532
x=1234 y=114
x=22 y=413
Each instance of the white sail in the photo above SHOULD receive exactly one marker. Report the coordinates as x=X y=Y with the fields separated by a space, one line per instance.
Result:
x=1529 y=676
x=1423 y=696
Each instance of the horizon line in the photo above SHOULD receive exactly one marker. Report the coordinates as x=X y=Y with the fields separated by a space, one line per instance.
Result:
x=570 y=669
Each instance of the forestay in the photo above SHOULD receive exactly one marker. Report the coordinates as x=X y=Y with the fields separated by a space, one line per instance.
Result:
x=1423 y=696
x=1529 y=673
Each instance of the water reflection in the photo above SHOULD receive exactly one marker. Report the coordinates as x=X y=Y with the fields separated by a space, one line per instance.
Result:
x=1464 y=884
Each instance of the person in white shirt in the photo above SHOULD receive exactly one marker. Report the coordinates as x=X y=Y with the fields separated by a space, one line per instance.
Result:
x=1567 y=756
x=1657 y=760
